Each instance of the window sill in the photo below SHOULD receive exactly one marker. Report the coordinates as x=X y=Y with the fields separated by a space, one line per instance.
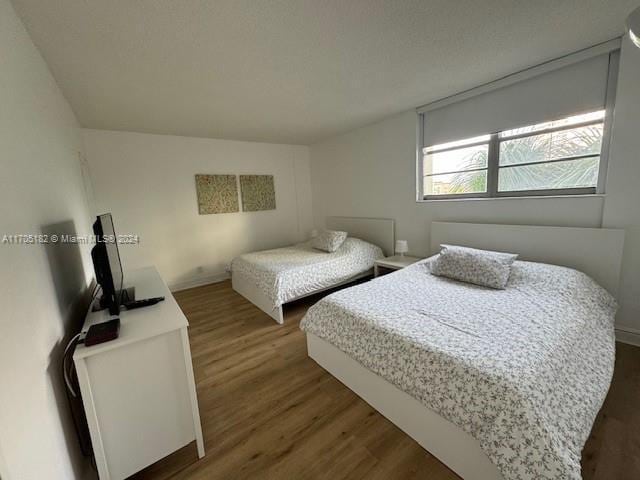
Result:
x=516 y=197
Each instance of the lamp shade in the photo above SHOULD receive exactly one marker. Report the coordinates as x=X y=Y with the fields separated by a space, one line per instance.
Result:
x=633 y=26
x=402 y=246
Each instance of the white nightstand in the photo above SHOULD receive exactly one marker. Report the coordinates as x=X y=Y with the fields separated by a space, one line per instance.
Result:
x=393 y=263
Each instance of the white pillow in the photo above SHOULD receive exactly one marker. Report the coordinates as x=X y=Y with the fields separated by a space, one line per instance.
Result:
x=329 y=240
x=480 y=267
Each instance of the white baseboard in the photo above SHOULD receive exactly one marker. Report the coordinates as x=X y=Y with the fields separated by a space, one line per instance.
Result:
x=628 y=335
x=199 y=281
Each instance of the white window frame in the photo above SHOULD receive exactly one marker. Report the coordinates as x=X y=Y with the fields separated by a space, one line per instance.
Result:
x=494 y=147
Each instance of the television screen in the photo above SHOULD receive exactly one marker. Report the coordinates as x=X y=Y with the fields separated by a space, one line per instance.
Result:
x=106 y=263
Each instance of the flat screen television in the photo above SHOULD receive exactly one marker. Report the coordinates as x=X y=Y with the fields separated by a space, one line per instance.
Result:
x=106 y=263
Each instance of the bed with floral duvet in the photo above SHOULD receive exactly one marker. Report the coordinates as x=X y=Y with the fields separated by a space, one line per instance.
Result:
x=523 y=370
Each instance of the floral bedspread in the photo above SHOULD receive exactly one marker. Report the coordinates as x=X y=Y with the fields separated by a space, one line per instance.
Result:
x=523 y=370
x=287 y=273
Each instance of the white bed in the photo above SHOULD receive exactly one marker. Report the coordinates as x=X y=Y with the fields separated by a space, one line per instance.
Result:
x=272 y=278
x=539 y=353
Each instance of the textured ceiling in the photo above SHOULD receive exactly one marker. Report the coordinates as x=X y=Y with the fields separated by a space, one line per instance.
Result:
x=293 y=71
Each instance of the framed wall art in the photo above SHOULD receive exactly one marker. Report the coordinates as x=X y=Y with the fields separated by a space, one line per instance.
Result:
x=258 y=193
x=217 y=194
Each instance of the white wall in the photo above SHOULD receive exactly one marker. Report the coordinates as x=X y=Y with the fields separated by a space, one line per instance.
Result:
x=622 y=206
x=371 y=172
x=40 y=191
x=148 y=183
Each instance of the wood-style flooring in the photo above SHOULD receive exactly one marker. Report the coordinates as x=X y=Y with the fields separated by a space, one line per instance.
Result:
x=270 y=412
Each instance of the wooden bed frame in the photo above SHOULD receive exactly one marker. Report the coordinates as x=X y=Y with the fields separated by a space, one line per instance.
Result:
x=595 y=251
x=379 y=231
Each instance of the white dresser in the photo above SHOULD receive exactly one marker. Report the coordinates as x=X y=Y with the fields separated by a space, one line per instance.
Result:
x=138 y=391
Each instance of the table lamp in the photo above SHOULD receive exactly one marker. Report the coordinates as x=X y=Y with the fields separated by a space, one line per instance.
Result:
x=402 y=247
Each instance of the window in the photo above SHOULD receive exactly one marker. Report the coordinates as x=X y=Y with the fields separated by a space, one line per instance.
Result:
x=456 y=167
x=540 y=131
x=556 y=157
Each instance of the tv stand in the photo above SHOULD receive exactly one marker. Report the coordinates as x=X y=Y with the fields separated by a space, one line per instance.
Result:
x=138 y=391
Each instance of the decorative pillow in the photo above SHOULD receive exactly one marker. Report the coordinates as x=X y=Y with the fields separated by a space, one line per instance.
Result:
x=480 y=267
x=329 y=240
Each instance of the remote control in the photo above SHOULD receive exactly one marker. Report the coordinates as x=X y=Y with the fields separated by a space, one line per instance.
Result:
x=145 y=302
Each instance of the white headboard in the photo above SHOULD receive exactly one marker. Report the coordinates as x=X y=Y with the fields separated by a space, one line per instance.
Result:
x=379 y=231
x=594 y=251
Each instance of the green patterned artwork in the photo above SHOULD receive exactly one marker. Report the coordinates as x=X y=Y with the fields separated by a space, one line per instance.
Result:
x=258 y=193
x=217 y=194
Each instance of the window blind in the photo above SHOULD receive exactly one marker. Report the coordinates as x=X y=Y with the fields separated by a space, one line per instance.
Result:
x=571 y=89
